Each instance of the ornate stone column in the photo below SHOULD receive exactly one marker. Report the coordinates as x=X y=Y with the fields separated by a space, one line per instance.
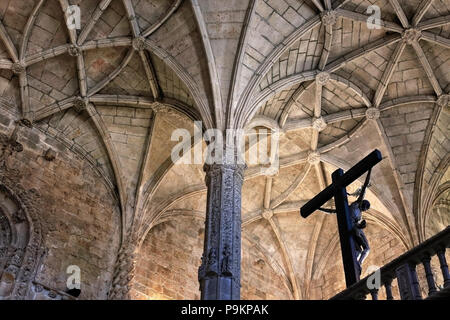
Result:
x=123 y=273
x=220 y=272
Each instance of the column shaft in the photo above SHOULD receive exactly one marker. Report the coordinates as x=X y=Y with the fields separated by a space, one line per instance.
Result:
x=219 y=273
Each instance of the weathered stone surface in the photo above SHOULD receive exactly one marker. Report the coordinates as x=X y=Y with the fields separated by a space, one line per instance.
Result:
x=221 y=62
x=76 y=211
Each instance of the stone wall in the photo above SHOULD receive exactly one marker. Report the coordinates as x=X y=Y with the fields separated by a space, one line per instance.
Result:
x=170 y=256
x=168 y=261
x=259 y=281
x=79 y=216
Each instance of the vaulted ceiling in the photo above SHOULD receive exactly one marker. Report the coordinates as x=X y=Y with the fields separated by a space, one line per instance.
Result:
x=115 y=90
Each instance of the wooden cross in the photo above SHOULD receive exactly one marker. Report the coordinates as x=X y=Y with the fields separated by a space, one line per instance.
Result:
x=337 y=190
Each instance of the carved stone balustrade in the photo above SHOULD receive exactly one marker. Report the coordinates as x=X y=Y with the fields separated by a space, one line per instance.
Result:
x=404 y=270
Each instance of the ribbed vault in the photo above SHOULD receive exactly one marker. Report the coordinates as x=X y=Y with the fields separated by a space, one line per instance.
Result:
x=115 y=90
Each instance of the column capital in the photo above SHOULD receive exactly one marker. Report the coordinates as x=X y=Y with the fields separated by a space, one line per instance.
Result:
x=217 y=169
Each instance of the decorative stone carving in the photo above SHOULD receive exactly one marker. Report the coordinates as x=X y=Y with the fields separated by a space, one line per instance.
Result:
x=162 y=108
x=80 y=104
x=373 y=113
x=17 y=257
x=25 y=123
x=329 y=18
x=18 y=67
x=4 y=250
x=50 y=155
x=41 y=292
x=159 y=108
x=22 y=261
x=319 y=124
x=5 y=235
x=267 y=214
x=259 y=263
x=411 y=35
x=8 y=146
x=6 y=284
x=227 y=266
x=124 y=271
x=221 y=260
x=19 y=216
x=444 y=100
x=139 y=43
x=322 y=78
x=313 y=158
x=74 y=50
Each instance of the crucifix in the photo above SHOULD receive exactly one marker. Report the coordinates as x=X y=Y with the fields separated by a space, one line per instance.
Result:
x=351 y=237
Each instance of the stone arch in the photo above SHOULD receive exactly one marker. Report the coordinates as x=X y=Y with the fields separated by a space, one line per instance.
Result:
x=21 y=248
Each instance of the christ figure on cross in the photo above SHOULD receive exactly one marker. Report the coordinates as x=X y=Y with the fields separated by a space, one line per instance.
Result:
x=356 y=209
x=354 y=244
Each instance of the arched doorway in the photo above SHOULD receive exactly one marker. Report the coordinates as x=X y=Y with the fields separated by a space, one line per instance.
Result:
x=20 y=243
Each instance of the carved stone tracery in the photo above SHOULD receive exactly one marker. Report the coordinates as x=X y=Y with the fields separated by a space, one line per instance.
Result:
x=20 y=257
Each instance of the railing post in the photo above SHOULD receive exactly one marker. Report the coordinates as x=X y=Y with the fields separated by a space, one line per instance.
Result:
x=388 y=287
x=429 y=274
x=403 y=269
x=415 y=282
x=444 y=267
x=408 y=283
x=374 y=294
